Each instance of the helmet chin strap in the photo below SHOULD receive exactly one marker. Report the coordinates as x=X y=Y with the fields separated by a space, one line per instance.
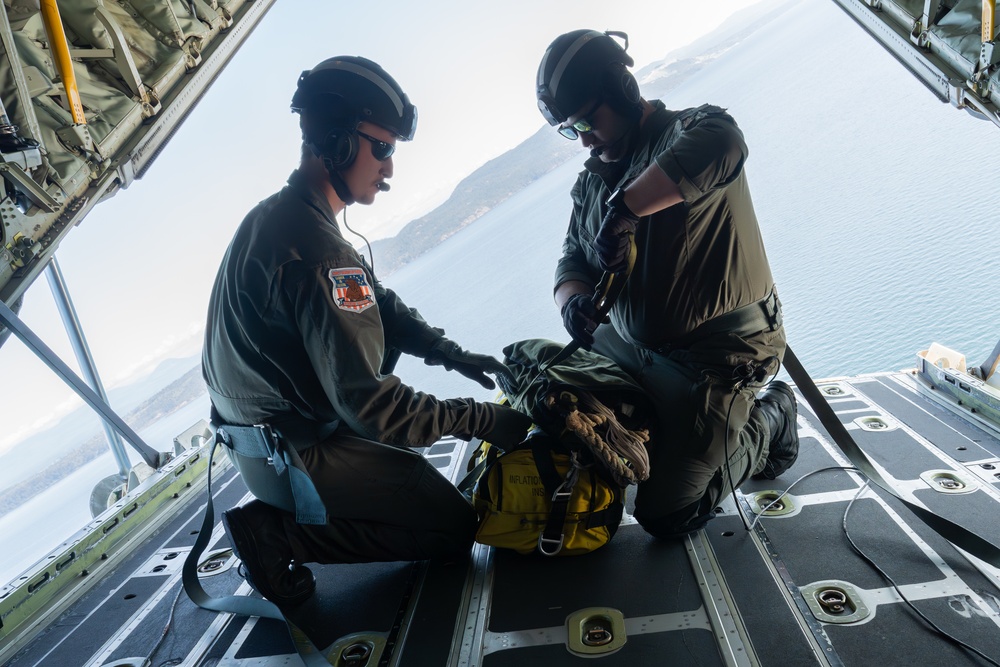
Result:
x=628 y=140
x=338 y=183
x=336 y=180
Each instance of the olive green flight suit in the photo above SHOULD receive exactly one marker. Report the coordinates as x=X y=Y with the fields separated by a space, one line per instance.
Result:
x=298 y=335
x=697 y=260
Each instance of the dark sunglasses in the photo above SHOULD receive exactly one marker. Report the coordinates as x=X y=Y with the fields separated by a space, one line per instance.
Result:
x=381 y=150
x=582 y=126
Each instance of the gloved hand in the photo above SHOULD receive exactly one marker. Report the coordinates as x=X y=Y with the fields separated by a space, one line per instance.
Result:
x=474 y=366
x=581 y=319
x=509 y=384
x=510 y=427
x=613 y=238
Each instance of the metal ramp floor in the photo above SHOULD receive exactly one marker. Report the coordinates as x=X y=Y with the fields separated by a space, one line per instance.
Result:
x=789 y=591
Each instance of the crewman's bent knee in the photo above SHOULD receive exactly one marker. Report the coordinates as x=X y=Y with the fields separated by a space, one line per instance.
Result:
x=448 y=544
x=676 y=524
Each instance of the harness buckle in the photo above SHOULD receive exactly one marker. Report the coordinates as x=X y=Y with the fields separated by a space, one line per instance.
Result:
x=745 y=372
x=270 y=438
x=549 y=546
x=564 y=491
x=772 y=308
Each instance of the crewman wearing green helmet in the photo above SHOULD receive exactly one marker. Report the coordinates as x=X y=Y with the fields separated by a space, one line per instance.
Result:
x=299 y=351
x=698 y=323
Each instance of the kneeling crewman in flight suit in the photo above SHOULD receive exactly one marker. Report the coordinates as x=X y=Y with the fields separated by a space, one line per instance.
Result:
x=698 y=322
x=301 y=340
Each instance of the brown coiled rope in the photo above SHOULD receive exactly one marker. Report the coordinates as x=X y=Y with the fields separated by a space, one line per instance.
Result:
x=621 y=450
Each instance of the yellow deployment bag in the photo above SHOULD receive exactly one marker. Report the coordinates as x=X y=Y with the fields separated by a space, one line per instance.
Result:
x=546 y=497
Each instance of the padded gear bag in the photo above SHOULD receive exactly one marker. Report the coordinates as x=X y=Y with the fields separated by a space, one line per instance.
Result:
x=562 y=491
x=542 y=496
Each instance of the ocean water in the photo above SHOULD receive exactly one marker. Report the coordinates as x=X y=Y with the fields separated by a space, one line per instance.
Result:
x=877 y=204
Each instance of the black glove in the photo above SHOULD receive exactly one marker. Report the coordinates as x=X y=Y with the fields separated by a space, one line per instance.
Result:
x=509 y=385
x=613 y=238
x=449 y=354
x=581 y=319
x=510 y=427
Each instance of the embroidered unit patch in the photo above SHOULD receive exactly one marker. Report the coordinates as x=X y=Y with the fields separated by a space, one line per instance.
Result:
x=351 y=290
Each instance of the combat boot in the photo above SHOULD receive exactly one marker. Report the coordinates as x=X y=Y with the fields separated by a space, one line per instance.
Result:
x=777 y=405
x=257 y=535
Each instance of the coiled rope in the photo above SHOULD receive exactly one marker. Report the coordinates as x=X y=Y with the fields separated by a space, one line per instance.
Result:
x=622 y=451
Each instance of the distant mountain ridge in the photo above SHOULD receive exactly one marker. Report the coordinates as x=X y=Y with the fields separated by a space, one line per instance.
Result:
x=174 y=396
x=545 y=150
x=72 y=430
x=474 y=196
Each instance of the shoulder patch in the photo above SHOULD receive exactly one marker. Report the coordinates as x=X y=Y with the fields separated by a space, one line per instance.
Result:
x=351 y=290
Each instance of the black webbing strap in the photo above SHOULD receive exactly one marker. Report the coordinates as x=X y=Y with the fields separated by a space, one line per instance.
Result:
x=467 y=484
x=960 y=537
x=610 y=516
x=560 y=490
x=237 y=604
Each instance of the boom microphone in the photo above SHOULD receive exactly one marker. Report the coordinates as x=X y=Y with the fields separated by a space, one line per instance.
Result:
x=382 y=186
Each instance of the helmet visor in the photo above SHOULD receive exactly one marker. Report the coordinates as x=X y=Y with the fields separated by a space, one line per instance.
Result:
x=408 y=122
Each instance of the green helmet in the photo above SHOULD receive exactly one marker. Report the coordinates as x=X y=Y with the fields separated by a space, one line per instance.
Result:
x=580 y=66
x=357 y=88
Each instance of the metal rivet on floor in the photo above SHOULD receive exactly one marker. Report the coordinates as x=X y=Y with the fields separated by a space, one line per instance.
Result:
x=834 y=390
x=357 y=650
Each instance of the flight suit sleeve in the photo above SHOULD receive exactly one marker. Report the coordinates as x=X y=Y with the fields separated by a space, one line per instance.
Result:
x=709 y=152
x=574 y=263
x=404 y=328
x=338 y=316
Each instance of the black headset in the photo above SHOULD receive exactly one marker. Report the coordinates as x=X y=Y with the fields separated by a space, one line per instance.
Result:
x=338 y=149
x=336 y=140
x=620 y=88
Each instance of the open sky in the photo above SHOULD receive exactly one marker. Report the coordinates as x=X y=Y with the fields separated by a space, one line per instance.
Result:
x=141 y=266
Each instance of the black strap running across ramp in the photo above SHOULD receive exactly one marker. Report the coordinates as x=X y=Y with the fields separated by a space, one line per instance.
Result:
x=959 y=536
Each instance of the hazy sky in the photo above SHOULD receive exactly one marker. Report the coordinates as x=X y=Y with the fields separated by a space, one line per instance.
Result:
x=141 y=265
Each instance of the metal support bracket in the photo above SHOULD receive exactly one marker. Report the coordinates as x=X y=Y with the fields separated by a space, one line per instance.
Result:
x=77 y=136
x=38 y=196
x=989 y=367
x=931 y=9
x=989 y=55
x=126 y=65
x=20 y=83
x=22 y=251
x=43 y=352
